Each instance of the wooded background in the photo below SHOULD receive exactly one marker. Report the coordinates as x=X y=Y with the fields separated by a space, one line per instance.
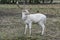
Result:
x=28 y=1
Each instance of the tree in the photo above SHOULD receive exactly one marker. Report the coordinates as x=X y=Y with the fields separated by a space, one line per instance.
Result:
x=25 y=1
x=3 y=1
x=51 y=1
x=30 y=1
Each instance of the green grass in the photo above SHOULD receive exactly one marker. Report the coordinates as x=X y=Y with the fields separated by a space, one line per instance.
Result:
x=12 y=27
x=48 y=9
x=15 y=29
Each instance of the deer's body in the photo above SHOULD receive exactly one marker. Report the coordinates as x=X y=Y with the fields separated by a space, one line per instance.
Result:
x=36 y=18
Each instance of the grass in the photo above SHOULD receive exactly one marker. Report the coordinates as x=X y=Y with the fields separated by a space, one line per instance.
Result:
x=43 y=8
x=12 y=27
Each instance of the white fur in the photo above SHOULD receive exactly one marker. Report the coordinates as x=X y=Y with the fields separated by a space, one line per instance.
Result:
x=36 y=18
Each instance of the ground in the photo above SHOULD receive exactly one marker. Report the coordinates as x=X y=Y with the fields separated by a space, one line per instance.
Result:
x=12 y=26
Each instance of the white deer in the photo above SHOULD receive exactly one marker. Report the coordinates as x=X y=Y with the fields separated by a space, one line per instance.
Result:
x=36 y=18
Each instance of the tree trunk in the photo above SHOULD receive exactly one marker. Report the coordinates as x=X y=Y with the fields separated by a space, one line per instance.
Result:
x=25 y=1
x=43 y=1
x=51 y=1
x=30 y=1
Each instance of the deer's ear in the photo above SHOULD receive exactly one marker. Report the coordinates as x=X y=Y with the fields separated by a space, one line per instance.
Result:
x=30 y=8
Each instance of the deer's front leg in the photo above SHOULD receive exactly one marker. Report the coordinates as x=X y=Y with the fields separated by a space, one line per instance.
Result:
x=30 y=24
x=26 y=26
